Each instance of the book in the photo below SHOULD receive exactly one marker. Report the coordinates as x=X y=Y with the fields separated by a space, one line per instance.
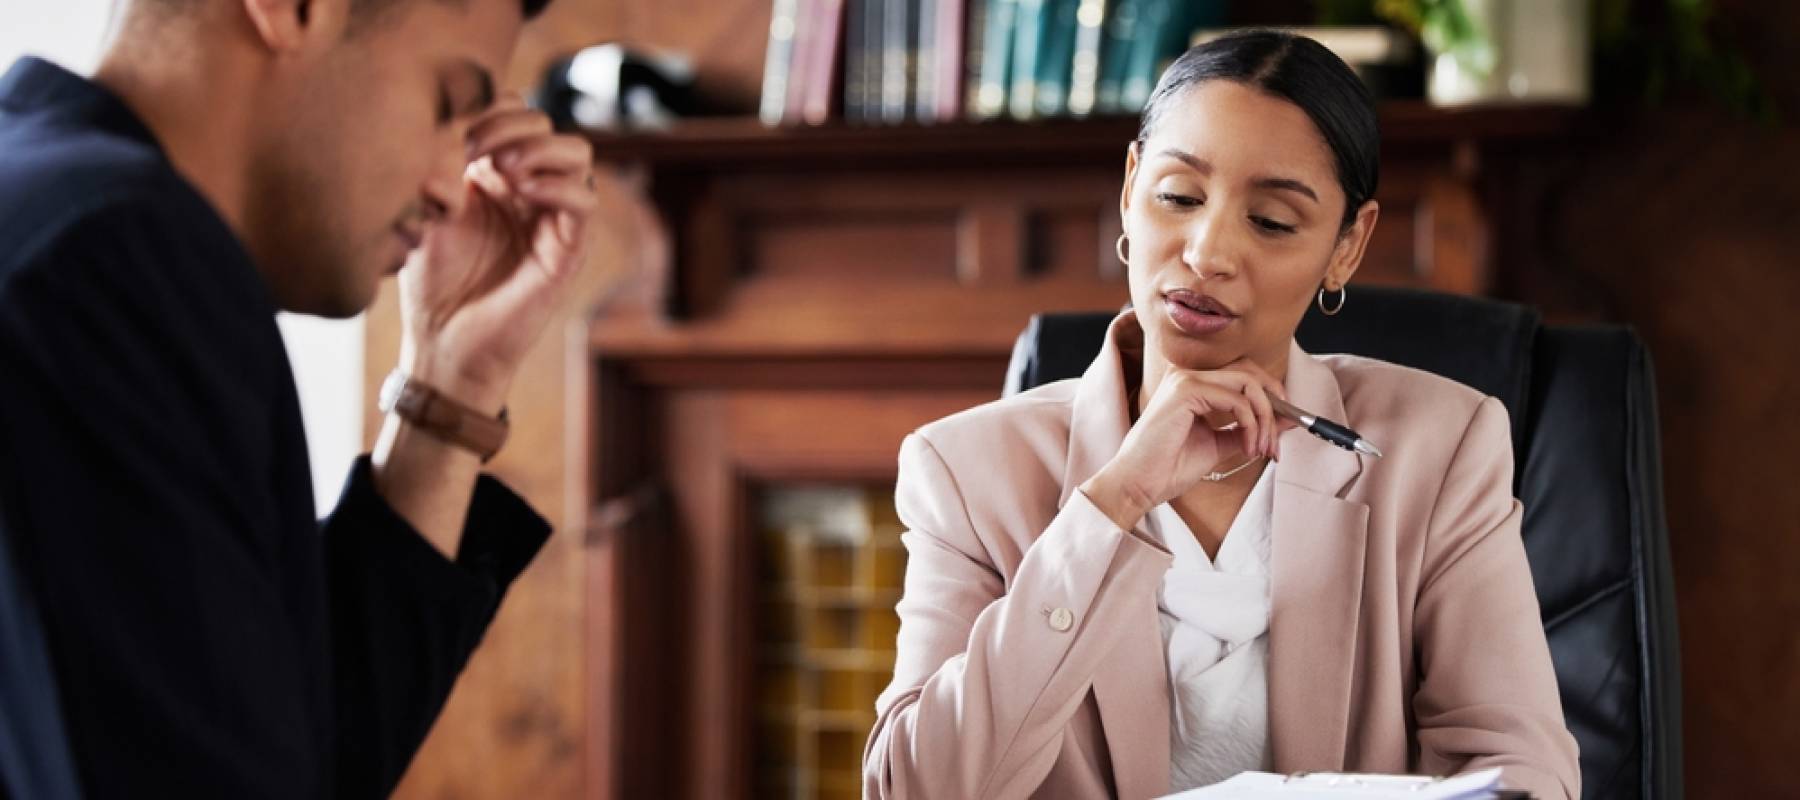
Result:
x=896 y=55
x=1084 y=65
x=776 y=62
x=1142 y=63
x=947 y=71
x=1118 y=33
x=874 y=50
x=924 y=60
x=855 y=75
x=824 y=45
x=974 y=47
x=1161 y=32
x=996 y=57
x=1028 y=40
x=1057 y=58
x=806 y=24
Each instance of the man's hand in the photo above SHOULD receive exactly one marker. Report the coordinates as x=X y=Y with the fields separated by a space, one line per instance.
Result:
x=482 y=285
x=474 y=297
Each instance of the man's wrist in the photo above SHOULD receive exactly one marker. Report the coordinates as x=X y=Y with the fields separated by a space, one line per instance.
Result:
x=426 y=408
x=453 y=380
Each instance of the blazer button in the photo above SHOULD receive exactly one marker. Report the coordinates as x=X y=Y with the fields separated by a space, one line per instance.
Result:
x=1061 y=620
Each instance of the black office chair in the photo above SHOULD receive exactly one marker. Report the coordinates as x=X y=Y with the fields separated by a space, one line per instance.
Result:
x=1583 y=409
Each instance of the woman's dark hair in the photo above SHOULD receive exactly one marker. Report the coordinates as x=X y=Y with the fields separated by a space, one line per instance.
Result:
x=1296 y=69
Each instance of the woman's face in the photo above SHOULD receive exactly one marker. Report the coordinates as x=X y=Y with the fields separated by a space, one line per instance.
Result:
x=1234 y=217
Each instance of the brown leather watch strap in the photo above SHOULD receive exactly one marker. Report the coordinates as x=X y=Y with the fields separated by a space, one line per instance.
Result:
x=430 y=411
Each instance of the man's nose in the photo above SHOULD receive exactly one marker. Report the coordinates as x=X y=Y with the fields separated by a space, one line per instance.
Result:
x=442 y=192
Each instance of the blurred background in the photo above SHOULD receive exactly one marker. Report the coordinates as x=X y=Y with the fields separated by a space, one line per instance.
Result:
x=827 y=220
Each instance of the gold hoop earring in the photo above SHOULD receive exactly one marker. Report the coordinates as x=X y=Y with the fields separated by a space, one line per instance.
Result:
x=1343 y=297
x=1119 y=248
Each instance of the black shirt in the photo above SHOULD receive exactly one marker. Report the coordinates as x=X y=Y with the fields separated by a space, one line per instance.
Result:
x=208 y=637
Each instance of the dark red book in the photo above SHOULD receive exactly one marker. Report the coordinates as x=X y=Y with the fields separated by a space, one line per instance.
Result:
x=825 y=46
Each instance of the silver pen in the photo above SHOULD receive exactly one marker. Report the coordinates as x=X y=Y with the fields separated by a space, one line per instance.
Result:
x=1323 y=428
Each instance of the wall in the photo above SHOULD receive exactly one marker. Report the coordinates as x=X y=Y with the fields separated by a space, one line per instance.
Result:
x=1686 y=224
x=1683 y=222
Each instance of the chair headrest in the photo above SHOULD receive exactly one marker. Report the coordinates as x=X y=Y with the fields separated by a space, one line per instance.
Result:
x=1485 y=344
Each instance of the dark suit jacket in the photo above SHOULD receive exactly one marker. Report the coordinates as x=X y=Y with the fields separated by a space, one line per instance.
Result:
x=208 y=636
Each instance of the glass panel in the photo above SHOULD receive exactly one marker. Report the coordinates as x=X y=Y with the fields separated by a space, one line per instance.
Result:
x=830 y=570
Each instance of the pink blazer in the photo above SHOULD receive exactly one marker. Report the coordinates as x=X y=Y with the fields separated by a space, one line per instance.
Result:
x=1404 y=637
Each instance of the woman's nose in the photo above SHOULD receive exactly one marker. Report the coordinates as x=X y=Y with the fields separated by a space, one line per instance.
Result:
x=1211 y=249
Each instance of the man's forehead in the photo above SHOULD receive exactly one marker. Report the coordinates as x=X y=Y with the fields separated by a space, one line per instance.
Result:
x=482 y=31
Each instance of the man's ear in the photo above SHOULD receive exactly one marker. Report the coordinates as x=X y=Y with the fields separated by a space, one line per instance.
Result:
x=1347 y=255
x=288 y=26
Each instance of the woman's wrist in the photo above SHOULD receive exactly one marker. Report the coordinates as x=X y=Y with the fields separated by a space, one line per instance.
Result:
x=1118 y=500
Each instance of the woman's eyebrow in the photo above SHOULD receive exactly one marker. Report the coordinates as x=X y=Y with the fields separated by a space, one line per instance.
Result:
x=1205 y=167
x=1286 y=184
x=1200 y=165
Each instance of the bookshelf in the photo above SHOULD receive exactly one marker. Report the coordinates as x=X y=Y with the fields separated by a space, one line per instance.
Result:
x=1002 y=200
x=745 y=142
x=829 y=573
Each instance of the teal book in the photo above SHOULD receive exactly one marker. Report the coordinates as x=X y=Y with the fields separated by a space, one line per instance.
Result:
x=1115 y=54
x=1028 y=41
x=974 y=45
x=1148 y=45
x=1056 y=60
x=996 y=57
x=899 y=38
x=1163 y=30
x=1084 y=67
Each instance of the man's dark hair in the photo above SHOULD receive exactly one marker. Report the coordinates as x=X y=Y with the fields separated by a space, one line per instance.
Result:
x=1302 y=72
x=368 y=9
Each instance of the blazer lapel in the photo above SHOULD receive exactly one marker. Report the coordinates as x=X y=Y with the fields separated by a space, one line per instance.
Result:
x=1131 y=687
x=1317 y=548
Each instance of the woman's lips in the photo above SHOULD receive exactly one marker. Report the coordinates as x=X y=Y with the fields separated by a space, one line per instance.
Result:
x=1196 y=315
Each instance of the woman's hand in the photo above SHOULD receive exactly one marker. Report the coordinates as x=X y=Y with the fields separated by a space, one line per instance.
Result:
x=1171 y=445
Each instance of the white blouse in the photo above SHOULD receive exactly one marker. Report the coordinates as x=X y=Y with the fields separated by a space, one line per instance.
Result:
x=1215 y=625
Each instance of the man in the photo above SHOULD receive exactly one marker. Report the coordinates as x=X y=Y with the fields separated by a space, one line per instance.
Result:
x=232 y=158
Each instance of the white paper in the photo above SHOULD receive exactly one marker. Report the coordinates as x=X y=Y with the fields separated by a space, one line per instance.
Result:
x=1339 y=786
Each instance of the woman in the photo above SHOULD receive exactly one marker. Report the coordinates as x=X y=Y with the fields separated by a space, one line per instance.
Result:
x=1142 y=581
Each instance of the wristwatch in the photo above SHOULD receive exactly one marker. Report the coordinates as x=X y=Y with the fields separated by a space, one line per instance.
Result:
x=430 y=411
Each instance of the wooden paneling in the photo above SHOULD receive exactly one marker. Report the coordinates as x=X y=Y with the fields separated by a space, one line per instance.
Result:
x=1686 y=226
x=710 y=445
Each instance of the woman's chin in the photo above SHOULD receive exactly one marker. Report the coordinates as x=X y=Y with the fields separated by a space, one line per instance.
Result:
x=1184 y=353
